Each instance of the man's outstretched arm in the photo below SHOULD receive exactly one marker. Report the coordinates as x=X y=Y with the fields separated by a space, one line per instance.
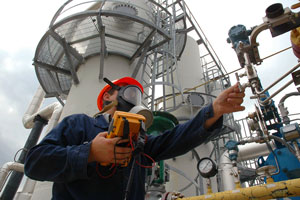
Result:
x=228 y=101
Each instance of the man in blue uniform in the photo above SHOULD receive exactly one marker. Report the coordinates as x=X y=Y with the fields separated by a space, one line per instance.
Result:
x=70 y=154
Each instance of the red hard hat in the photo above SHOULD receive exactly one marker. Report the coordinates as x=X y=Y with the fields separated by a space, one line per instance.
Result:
x=120 y=82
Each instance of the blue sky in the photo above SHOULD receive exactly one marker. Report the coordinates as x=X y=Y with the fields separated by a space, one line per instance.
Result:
x=24 y=23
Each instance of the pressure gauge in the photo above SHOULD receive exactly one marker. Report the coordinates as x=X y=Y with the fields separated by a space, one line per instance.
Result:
x=207 y=167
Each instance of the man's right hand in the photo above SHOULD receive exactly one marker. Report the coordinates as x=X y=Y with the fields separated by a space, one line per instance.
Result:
x=104 y=150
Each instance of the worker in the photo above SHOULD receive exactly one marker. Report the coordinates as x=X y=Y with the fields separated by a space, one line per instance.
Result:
x=70 y=154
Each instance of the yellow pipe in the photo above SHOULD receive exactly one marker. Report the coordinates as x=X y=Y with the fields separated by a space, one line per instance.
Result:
x=289 y=188
x=209 y=190
x=238 y=185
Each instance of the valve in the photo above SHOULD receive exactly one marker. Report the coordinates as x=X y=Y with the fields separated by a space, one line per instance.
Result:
x=267 y=171
x=290 y=132
x=233 y=150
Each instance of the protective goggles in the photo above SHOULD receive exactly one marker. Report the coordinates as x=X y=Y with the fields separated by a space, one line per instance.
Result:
x=131 y=94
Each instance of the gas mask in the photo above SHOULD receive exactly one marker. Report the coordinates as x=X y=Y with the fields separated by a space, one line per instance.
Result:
x=130 y=100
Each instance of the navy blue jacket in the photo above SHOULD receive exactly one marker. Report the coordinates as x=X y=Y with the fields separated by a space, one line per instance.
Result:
x=62 y=157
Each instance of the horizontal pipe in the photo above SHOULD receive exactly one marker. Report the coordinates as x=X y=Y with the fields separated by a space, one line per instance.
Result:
x=282 y=189
x=6 y=168
x=252 y=150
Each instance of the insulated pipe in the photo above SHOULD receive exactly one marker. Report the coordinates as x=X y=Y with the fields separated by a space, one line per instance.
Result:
x=6 y=168
x=252 y=150
x=57 y=110
x=53 y=111
x=225 y=168
x=282 y=189
x=33 y=107
x=45 y=113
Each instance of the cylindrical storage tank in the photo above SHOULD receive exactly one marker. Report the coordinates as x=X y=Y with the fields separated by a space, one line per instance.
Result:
x=191 y=75
x=82 y=98
x=188 y=74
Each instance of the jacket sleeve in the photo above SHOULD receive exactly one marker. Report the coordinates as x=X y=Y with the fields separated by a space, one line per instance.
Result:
x=183 y=137
x=62 y=155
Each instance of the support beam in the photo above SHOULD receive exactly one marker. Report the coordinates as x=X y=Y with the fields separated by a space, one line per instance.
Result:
x=102 y=52
x=139 y=50
x=160 y=6
x=185 y=30
x=56 y=84
x=60 y=100
x=69 y=59
x=158 y=44
x=180 y=17
x=103 y=45
x=141 y=59
x=106 y=35
x=57 y=37
x=52 y=68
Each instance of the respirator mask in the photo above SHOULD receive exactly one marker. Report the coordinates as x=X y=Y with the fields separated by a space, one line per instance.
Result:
x=130 y=100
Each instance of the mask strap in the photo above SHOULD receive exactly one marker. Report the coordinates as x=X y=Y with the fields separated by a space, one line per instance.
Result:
x=107 y=107
x=114 y=86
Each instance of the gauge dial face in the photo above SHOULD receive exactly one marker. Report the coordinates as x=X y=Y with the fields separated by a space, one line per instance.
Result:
x=206 y=166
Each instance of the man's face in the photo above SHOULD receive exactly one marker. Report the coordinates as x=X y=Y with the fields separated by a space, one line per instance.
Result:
x=110 y=97
x=113 y=96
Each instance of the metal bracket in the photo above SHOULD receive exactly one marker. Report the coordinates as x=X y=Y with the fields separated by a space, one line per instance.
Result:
x=296 y=77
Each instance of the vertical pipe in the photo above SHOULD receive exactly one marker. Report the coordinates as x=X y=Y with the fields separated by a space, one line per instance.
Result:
x=165 y=68
x=16 y=177
x=153 y=81
x=225 y=170
x=175 y=54
x=53 y=121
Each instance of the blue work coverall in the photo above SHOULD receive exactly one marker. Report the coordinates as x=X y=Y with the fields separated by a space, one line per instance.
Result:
x=62 y=157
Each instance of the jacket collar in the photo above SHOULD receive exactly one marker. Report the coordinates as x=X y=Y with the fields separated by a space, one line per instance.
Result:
x=102 y=121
